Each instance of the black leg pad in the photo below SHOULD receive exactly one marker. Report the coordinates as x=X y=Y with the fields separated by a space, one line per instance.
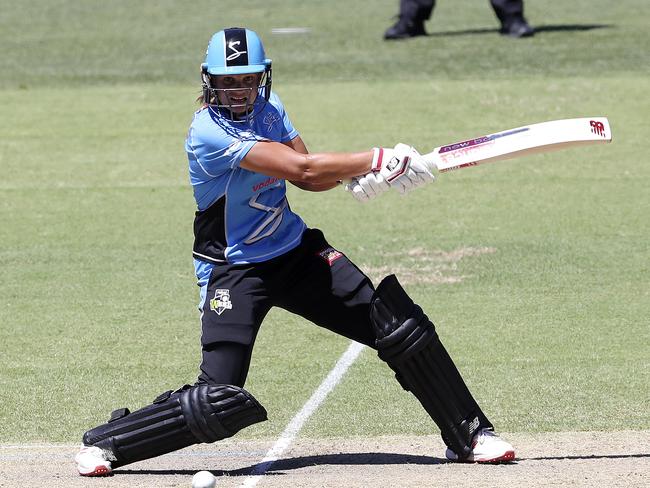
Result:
x=408 y=342
x=190 y=415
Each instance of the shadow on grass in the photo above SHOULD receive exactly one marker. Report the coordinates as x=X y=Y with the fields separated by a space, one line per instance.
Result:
x=539 y=29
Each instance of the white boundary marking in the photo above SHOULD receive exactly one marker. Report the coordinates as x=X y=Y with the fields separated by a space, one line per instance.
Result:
x=297 y=422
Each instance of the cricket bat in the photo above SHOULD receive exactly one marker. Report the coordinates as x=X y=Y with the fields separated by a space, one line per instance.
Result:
x=522 y=141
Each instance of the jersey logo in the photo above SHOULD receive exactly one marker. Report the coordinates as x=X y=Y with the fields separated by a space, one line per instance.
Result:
x=221 y=301
x=269 y=181
x=270 y=119
x=271 y=223
x=235 y=53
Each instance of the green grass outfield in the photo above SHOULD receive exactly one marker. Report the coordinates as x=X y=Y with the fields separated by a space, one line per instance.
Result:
x=548 y=320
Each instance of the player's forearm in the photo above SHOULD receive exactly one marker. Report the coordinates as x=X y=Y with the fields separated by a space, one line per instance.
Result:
x=276 y=159
x=299 y=146
x=328 y=168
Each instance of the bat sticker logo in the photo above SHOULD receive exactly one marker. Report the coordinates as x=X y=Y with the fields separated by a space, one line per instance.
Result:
x=597 y=127
x=481 y=140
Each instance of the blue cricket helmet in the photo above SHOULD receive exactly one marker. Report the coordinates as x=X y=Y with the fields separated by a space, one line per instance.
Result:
x=235 y=51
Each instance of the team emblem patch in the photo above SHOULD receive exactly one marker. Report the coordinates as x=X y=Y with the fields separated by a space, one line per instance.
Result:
x=330 y=255
x=221 y=301
x=234 y=53
x=270 y=119
x=236 y=42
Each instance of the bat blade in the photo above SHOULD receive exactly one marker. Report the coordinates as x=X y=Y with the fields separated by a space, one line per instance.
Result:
x=521 y=141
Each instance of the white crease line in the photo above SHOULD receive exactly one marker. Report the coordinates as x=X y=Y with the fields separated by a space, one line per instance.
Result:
x=291 y=431
x=40 y=446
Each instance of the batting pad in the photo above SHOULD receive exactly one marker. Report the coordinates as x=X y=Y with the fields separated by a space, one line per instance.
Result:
x=408 y=342
x=191 y=415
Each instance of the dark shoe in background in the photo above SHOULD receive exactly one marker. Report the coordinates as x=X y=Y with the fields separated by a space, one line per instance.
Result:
x=517 y=28
x=405 y=28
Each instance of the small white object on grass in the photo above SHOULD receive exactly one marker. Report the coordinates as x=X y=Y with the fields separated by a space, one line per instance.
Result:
x=291 y=30
x=204 y=479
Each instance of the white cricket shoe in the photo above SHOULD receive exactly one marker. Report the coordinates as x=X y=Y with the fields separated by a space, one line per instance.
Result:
x=487 y=447
x=91 y=461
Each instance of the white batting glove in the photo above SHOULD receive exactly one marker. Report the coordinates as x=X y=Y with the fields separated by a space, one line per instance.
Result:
x=354 y=188
x=401 y=167
x=367 y=187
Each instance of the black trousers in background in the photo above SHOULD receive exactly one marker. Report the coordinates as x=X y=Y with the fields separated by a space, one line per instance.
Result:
x=420 y=10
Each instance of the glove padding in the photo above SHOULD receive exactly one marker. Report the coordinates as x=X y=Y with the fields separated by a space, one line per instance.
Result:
x=402 y=167
x=367 y=187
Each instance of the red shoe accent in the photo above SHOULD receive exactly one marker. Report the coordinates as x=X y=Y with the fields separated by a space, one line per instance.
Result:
x=100 y=471
x=509 y=456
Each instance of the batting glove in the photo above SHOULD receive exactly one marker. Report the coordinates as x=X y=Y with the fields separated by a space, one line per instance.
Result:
x=402 y=167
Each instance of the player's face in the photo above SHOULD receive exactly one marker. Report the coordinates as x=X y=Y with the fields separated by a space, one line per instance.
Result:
x=238 y=92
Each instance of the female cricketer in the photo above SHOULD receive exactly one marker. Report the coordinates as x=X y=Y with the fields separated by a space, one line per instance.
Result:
x=252 y=253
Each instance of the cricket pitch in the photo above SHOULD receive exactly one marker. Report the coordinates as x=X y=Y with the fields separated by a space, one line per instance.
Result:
x=576 y=459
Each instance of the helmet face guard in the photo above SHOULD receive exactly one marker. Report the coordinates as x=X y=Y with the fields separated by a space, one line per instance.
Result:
x=223 y=99
x=236 y=51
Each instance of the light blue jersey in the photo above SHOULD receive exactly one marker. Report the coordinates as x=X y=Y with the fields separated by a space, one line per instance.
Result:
x=243 y=216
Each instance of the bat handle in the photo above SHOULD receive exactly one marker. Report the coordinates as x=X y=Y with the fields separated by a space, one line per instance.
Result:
x=430 y=160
